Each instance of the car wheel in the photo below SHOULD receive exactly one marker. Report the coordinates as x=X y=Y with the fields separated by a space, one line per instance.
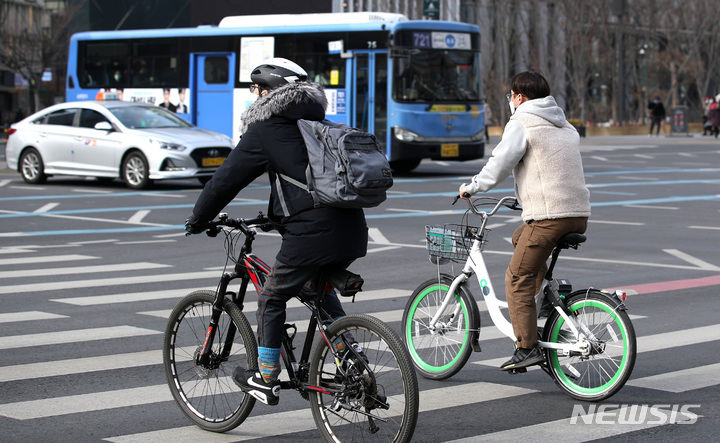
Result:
x=135 y=171
x=32 y=167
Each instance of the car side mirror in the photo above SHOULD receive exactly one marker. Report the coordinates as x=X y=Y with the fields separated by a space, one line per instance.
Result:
x=103 y=126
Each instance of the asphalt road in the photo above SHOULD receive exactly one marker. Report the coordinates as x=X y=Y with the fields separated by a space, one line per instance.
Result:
x=89 y=272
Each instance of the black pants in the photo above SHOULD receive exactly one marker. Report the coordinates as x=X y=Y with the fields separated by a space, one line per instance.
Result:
x=655 y=121
x=284 y=283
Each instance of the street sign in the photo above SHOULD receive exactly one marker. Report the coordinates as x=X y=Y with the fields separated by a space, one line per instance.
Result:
x=431 y=8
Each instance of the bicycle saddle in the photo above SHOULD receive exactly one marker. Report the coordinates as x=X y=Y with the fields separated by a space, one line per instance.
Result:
x=571 y=240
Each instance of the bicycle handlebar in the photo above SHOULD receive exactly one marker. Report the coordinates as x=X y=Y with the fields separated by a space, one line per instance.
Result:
x=509 y=202
x=244 y=225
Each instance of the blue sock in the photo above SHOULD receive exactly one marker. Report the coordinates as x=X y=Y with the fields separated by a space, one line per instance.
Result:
x=269 y=363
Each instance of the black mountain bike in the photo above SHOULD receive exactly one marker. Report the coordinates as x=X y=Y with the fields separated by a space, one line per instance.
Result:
x=358 y=376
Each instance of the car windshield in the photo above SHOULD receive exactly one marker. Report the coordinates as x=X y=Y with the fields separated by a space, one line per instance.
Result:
x=145 y=117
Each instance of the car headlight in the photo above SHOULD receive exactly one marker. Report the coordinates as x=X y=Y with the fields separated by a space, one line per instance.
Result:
x=167 y=145
x=404 y=135
x=479 y=136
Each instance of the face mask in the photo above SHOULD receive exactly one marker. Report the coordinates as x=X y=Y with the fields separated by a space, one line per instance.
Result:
x=512 y=106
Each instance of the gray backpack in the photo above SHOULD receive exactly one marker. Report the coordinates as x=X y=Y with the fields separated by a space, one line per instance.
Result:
x=346 y=168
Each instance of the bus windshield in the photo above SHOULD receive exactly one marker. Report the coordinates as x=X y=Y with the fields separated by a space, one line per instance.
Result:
x=436 y=76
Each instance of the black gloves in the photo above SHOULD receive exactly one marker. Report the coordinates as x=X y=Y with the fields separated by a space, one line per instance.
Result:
x=194 y=226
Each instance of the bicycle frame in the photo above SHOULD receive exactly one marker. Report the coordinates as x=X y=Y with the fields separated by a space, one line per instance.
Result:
x=475 y=264
x=250 y=268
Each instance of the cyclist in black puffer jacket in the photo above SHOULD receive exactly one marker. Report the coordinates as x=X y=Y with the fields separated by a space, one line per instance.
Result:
x=312 y=237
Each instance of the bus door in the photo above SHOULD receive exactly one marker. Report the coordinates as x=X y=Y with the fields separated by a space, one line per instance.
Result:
x=369 y=93
x=212 y=106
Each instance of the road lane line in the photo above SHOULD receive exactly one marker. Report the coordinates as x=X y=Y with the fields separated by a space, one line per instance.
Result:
x=681 y=381
x=46 y=208
x=81 y=270
x=378 y=294
x=692 y=260
x=43 y=259
x=301 y=420
x=548 y=432
x=12 y=317
x=101 y=282
x=139 y=216
x=72 y=336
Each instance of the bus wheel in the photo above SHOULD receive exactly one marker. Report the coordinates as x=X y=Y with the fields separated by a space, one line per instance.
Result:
x=405 y=165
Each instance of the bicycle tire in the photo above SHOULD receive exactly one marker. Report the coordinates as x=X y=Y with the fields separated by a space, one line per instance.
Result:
x=393 y=380
x=601 y=374
x=439 y=354
x=207 y=395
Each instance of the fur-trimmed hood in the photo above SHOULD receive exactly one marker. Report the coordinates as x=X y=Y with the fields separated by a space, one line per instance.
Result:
x=293 y=101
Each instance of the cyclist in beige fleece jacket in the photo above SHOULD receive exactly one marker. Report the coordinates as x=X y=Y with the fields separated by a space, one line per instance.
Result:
x=541 y=149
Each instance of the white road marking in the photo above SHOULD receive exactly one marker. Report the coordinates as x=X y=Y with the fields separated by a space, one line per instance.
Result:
x=12 y=317
x=139 y=216
x=46 y=208
x=692 y=260
x=81 y=270
x=72 y=336
x=43 y=259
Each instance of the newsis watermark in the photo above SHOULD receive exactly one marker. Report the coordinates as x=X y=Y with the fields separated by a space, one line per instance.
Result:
x=624 y=414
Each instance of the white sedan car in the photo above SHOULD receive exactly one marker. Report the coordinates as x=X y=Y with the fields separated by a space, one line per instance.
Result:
x=109 y=139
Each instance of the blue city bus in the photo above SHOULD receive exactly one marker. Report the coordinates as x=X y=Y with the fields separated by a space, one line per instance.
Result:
x=415 y=84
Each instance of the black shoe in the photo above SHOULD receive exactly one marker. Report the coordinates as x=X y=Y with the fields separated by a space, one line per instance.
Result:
x=252 y=383
x=522 y=358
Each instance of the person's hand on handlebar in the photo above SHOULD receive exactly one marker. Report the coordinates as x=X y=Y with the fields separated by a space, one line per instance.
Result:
x=194 y=226
x=463 y=193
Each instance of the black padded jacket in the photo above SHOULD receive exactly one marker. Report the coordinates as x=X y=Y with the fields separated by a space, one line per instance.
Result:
x=272 y=143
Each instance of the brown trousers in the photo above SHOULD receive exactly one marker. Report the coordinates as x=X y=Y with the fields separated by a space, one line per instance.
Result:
x=533 y=242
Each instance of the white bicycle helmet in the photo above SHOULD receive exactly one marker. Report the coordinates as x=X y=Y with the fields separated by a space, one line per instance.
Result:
x=275 y=72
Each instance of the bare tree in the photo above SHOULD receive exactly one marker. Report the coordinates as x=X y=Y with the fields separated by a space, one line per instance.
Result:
x=31 y=42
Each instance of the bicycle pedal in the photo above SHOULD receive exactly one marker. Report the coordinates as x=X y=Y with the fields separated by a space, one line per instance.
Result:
x=517 y=371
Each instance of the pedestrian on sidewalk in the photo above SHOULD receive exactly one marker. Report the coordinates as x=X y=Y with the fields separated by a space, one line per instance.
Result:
x=657 y=115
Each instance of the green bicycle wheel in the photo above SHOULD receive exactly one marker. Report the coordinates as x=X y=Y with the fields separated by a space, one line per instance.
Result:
x=441 y=352
x=608 y=366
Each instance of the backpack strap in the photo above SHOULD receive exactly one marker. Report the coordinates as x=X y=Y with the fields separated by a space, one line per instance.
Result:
x=309 y=187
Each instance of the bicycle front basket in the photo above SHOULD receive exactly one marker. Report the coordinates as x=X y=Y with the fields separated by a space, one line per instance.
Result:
x=449 y=241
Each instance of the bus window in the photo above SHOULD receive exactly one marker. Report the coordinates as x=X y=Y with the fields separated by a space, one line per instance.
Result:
x=105 y=64
x=155 y=64
x=328 y=70
x=217 y=70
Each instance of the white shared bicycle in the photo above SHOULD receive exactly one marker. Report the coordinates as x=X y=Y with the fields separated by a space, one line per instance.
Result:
x=587 y=338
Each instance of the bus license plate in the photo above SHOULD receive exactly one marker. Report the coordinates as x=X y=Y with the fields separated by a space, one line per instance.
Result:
x=213 y=161
x=450 y=150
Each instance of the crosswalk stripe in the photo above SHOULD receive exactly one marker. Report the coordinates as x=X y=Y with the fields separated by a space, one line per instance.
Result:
x=28 y=371
x=548 y=432
x=302 y=325
x=72 y=336
x=681 y=381
x=301 y=420
x=44 y=259
x=81 y=270
x=103 y=300
x=72 y=404
x=673 y=339
x=648 y=343
x=12 y=317
x=119 y=281
x=379 y=294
